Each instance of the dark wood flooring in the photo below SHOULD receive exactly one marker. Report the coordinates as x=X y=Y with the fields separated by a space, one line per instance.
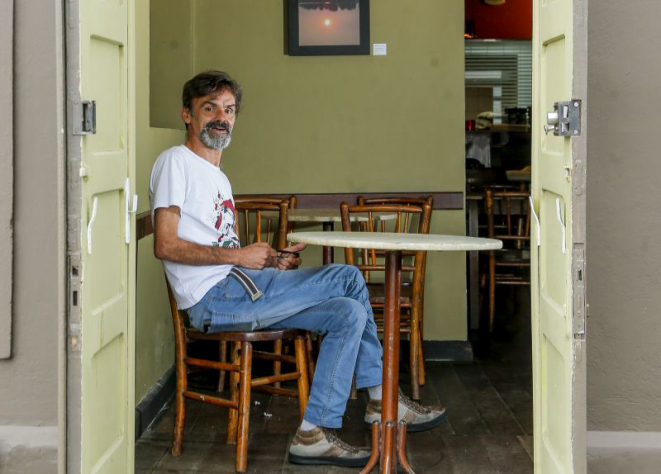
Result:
x=489 y=429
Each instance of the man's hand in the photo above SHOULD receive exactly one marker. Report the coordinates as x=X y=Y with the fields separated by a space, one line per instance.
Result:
x=288 y=261
x=257 y=256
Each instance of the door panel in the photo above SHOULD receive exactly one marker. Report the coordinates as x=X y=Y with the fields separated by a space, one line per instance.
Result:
x=107 y=404
x=558 y=349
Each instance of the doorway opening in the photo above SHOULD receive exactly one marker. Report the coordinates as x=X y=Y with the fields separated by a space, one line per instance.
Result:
x=486 y=397
x=498 y=116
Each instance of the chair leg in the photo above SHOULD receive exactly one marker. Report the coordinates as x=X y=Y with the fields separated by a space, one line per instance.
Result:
x=223 y=358
x=302 y=368
x=421 y=356
x=309 y=355
x=320 y=339
x=233 y=419
x=421 y=347
x=179 y=409
x=244 y=407
x=277 y=365
x=414 y=360
x=182 y=386
x=354 y=391
x=492 y=289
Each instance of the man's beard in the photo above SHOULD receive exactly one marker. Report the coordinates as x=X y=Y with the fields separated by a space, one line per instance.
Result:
x=219 y=142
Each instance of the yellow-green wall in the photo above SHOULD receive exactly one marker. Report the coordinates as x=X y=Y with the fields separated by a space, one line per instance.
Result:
x=154 y=337
x=342 y=123
x=312 y=124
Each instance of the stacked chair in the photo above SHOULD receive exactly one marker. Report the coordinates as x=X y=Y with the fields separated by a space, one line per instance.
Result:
x=412 y=215
x=508 y=219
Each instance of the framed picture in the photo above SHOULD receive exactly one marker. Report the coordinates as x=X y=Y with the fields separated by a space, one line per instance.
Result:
x=328 y=27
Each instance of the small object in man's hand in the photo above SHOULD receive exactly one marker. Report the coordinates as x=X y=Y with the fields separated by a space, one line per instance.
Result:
x=287 y=253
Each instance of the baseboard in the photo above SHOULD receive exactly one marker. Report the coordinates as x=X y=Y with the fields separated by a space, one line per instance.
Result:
x=156 y=398
x=28 y=449
x=615 y=452
x=454 y=351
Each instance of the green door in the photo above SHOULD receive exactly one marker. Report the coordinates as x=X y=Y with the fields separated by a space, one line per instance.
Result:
x=558 y=272
x=107 y=421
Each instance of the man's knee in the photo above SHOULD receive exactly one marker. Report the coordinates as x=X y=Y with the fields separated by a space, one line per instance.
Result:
x=357 y=316
x=354 y=273
x=351 y=316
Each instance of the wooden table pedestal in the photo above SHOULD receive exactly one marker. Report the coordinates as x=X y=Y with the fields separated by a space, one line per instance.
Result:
x=389 y=436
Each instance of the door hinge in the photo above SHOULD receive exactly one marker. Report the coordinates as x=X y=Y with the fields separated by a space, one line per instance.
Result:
x=565 y=120
x=578 y=283
x=84 y=117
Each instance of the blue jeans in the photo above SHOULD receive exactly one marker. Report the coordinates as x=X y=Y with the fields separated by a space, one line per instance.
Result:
x=331 y=300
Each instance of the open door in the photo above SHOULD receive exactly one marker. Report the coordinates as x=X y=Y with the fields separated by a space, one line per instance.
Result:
x=558 y=261
x=101 y=354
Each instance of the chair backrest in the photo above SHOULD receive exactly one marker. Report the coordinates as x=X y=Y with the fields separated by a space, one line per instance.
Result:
x=368 y=220
x=263 y=220
x=508 y=216
x=180 y=323
x=398 y=200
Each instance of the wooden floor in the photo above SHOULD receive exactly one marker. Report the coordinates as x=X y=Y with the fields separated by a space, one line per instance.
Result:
x=489 y=429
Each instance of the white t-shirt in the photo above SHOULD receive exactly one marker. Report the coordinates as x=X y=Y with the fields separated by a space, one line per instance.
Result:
x=204 y=195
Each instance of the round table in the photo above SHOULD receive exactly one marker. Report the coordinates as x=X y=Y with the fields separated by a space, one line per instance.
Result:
x=389 y=436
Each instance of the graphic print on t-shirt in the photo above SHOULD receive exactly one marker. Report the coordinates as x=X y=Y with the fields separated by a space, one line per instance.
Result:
x=223 y=219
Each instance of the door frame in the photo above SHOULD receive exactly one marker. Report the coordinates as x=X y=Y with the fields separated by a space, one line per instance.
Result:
x=72 y=409
x=579 y=219
x=74 y=243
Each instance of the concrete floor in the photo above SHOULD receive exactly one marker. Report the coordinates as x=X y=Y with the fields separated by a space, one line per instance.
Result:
x=489 y=429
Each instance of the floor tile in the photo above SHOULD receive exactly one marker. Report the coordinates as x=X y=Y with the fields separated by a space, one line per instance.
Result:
x=149 y=452
x=462 y=414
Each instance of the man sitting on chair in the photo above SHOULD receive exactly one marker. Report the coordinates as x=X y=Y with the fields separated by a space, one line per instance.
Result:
x=195 y=237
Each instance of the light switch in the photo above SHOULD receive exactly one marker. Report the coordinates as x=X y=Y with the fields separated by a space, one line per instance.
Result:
x=379 y=49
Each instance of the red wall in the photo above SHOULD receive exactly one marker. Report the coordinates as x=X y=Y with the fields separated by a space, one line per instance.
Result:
x=513 y=20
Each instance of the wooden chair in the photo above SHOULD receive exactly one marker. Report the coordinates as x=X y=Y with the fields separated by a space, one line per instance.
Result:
x=241 y=381
x=508 y=219
x=419 y=302
x=264 y=219
x=370 y=261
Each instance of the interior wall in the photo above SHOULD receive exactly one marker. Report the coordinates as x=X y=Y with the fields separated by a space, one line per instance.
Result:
x=351 y=123
x=624 y=205
x=154 y=337
x=171 y=60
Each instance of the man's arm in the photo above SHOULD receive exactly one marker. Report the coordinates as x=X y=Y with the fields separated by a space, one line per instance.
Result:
x=168 y=246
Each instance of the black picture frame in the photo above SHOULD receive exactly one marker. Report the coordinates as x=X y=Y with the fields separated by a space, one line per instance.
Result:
x=294 y=47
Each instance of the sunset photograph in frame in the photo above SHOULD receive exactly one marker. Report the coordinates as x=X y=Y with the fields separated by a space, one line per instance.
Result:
x=328 y=27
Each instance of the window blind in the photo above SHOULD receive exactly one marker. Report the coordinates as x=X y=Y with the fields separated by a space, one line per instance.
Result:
x=505 y=66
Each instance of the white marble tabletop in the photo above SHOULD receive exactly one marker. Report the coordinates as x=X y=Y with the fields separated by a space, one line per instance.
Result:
x=328 y=215
x=393 y=241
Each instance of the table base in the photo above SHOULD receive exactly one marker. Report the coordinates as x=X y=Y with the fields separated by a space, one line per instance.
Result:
x=389 y=445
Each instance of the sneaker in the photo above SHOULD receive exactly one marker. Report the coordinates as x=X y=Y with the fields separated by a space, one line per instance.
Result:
x=322 y=446
x=416 y=416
